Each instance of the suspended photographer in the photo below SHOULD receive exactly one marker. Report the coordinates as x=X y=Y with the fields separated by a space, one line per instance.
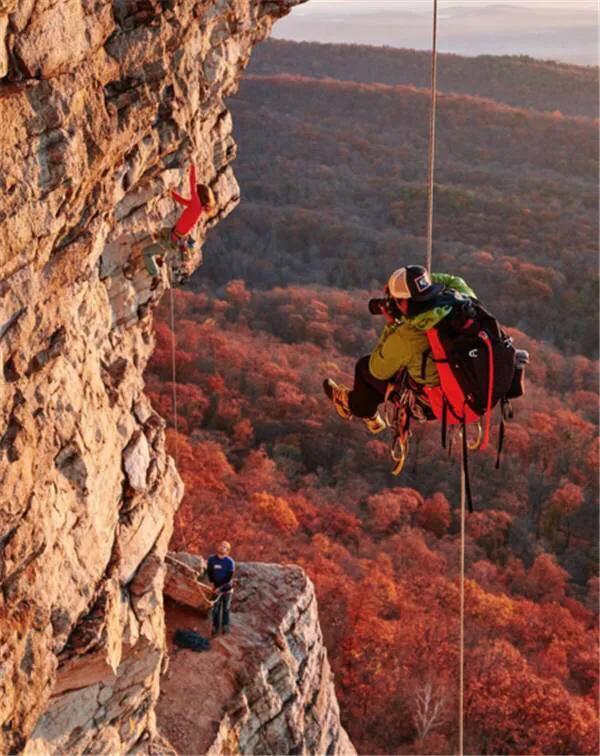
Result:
x=414 y=304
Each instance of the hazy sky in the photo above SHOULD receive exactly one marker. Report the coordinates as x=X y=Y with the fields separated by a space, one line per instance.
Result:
x=548 y=29
x=314 y=7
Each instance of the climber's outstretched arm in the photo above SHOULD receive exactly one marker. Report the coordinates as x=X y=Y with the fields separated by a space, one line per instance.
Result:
x=192 y=180
x=181 y=200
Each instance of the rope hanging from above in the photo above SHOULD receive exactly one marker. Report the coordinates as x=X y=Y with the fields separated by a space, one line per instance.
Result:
x=432 y=119
x=461 y=663
x=428 y=261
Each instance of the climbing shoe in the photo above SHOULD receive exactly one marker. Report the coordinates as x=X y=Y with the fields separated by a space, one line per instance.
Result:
x=338 y=394
x=375 y=424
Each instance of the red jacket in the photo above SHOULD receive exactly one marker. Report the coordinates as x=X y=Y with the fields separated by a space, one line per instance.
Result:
x=193 y=207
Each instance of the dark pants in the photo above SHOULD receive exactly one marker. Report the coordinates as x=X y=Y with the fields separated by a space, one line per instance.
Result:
x=220 y=611
x=368 y=391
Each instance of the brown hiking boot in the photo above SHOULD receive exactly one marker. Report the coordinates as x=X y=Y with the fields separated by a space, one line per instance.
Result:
x=338 y=394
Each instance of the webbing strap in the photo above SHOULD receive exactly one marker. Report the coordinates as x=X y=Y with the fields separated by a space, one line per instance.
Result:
x=500 y=442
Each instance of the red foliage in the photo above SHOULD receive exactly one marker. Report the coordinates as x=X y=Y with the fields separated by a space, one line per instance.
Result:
x=268 y=465
x=435 y=515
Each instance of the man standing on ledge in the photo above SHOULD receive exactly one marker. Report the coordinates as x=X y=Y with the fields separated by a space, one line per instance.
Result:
x=220 y=571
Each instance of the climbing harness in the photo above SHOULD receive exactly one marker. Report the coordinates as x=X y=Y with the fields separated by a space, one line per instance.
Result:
x=171 y=253
x=403 y=402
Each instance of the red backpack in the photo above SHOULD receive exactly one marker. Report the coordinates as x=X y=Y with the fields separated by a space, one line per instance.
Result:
x=475 y=360
x=476 y=364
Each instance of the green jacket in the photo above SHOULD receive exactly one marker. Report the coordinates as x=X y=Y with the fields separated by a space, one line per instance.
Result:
x=402 y=343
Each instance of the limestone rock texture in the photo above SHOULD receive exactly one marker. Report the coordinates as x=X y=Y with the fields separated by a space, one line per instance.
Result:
x=183 y=583
x=103 y=107
x=264 y=689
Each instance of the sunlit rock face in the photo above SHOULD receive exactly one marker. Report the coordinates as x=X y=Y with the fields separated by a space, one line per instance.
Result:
x=103 y=106
x=265 y=688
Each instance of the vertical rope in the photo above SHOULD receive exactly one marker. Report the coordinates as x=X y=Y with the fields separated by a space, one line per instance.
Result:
x=432 y=118
x=174 y=371
x=463 y=477
x=461 y=674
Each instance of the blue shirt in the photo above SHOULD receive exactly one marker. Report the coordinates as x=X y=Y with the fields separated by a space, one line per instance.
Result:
x=220 y=570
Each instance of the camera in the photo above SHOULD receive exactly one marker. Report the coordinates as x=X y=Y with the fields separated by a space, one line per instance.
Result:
x=377 y=306
x=381 y=305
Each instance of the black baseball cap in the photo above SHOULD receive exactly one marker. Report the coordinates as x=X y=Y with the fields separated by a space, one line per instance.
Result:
x=413 y=282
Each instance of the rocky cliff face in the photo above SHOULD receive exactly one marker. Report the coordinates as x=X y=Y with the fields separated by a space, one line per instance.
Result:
x=103 y=106
x=267 y=687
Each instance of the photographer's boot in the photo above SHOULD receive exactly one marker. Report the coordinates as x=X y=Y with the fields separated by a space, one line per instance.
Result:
x=338 y=394
x=375 y=424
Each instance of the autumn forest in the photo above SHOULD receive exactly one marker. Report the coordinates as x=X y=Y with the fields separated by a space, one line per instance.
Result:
x=332 y=163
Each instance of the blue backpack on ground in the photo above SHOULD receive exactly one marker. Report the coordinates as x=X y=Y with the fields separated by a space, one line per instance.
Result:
x=191 y=639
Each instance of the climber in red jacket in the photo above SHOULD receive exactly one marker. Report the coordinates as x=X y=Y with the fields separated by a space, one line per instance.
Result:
x=179 y=240
x=201 y=200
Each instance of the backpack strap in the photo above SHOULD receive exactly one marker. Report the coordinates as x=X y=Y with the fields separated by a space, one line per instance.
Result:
x=488 y=412
x=500 y=443
x=465 y=462
x=446 y=298
x=444 y=420
x=506 y=413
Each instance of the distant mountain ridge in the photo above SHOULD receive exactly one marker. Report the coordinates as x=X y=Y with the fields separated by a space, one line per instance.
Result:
x=542 y=31
x=519 y=81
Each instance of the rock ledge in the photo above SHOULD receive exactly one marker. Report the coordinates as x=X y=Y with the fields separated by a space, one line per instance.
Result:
x=266 y=688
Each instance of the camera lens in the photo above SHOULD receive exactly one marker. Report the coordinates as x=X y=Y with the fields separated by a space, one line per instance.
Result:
x=376 y=306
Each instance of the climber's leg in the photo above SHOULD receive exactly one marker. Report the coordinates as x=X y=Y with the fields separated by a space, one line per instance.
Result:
x=226 y=601
x=368 y=391
x=154 y=259
x=216 y=615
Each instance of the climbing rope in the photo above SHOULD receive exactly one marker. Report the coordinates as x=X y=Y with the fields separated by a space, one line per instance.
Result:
x=432 y=119
x=461 y=674
x=208 y=591
x=463 y=487
x=159 y=241
x=174 y=372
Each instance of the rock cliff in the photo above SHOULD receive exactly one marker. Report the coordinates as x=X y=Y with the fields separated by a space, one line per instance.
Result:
x=103 y=106
x=267 y=687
